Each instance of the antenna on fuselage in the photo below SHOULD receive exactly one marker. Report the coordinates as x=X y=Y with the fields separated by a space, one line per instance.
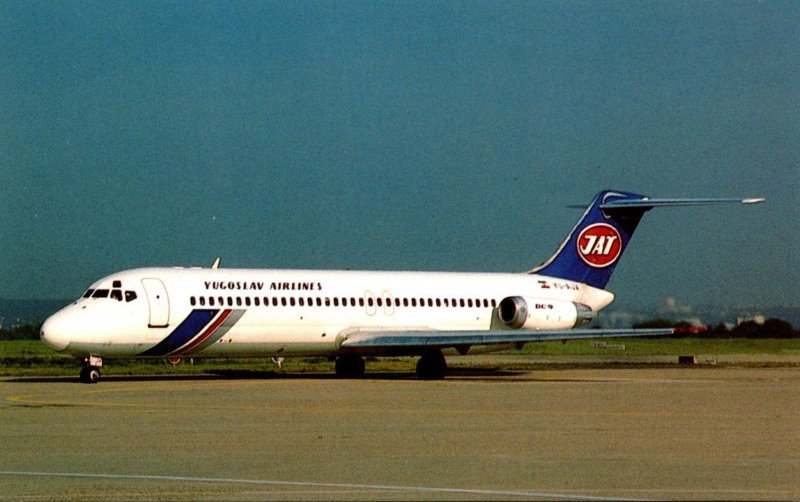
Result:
x=215 y=265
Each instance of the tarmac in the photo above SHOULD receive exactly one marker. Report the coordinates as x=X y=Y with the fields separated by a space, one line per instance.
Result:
x=570 y=433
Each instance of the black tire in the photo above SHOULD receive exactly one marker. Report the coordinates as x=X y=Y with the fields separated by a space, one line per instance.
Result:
x=90 y=374
x=431 y=366
x=350 y=366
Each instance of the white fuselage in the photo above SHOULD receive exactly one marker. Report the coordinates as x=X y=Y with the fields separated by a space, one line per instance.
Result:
x=158 y=312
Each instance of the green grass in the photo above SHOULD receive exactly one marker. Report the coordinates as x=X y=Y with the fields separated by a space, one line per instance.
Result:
x=33 y=358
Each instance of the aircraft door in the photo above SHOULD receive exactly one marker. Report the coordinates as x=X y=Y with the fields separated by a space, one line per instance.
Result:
x=388 y=303
x=369 y=303
x=159 y=303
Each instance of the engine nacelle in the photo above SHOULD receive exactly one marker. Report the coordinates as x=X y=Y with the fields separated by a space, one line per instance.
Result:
x=516 y=312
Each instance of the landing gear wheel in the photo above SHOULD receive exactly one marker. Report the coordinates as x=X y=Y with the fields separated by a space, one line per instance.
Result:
x=90 y=374
x=350 y=366
x=431 y=366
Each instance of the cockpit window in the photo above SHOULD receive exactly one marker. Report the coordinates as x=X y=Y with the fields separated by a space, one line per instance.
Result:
x=114 y=294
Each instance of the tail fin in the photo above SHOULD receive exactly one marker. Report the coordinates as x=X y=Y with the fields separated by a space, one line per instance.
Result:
x=593 y=248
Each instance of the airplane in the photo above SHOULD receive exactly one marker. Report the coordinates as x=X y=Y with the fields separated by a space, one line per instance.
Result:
x=170 y=313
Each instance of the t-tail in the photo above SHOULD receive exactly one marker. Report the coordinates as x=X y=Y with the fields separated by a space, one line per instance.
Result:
x=592 y=250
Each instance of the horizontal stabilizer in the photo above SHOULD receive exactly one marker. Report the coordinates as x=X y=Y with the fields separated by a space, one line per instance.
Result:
x=646 y=203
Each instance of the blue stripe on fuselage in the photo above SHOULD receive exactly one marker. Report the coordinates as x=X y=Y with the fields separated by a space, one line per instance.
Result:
x=183 y=334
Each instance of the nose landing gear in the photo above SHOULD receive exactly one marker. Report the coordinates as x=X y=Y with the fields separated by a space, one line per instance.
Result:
x=90 y=373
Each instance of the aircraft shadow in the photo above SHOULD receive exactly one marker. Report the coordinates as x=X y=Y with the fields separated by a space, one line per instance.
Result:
x=471 y=374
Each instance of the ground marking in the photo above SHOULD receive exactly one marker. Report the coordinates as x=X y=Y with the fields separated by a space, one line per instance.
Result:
x=348 y=486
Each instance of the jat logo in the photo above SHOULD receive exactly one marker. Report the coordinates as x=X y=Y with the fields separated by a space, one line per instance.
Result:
x=599 y=245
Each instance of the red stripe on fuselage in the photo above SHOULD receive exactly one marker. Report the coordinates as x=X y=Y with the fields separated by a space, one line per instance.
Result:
x=207 y=333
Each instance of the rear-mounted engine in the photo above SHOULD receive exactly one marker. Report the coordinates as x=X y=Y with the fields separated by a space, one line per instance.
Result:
x=516 y=312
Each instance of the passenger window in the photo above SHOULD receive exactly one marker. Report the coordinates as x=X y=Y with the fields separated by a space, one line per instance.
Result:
x=192 y=301
x=130 y=296
x=202 y=301
x=257 y=301
x=291 y=301
x=247 y=301
x=211 y=300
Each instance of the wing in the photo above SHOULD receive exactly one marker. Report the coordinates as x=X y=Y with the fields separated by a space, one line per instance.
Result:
x=419 y=338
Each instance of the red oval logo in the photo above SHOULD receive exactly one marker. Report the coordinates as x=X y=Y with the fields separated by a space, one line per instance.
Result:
x=599 y=245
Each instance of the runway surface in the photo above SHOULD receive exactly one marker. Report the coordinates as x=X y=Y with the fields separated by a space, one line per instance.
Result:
x=568 y=434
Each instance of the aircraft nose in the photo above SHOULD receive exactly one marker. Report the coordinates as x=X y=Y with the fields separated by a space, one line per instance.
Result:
x=53 y=332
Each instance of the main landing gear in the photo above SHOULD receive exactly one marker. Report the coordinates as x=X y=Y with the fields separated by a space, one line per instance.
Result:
x=431 y=366
x=350 y=366
x=90 y=373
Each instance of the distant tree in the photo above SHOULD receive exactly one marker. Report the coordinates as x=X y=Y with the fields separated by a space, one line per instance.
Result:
x=771 y=328
x=718 y=331
x=681 y=328
x=777 y=328
x=20 y=332
x=654 y=324
x=747 y=329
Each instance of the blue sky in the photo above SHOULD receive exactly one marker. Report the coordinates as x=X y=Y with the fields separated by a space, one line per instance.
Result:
x=398 y=135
